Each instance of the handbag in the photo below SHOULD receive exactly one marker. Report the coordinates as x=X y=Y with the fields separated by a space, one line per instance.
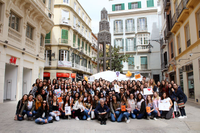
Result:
x=181 y=104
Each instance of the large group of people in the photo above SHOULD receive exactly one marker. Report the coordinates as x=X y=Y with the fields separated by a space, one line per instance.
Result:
x=49 y=101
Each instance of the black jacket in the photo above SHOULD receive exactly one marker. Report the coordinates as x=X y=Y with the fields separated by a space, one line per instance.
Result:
x=19 y=107
x=53 y=108
x=40 y=112
x=143 y=108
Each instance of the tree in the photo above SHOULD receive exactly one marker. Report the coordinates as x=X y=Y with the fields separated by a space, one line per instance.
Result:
x=117 y=59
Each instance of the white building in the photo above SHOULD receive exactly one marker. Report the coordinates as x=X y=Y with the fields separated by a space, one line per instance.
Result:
x=23 y=26
x=132 y=24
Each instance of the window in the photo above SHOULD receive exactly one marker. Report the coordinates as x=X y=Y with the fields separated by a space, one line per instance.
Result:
x=187 y=35
x=130 y=25
x=29 y=32
x=74 y=21
x=86 y=48
x=118 y=7
x=118 y=26
x=79 y=42
x=79 y=11
x=47 y=57
x=143 y=39
x=143 y=62
x=83 y=16
x=41 y=40
x=142 y=24
x=131 y=44
x=74 y=6
x=134 y=5
x=198 y=22
x=179 y=44
x=65 y=17
x=74 y=40
x=119 y=43
x=48 y=37
x=181 y=78
x=172 y=50
x=77 y=59
x=64 y=37
x=63 y=55
x=150 y=3
x=49 y=5
x=66 y=1
x=89 y=49
x=131 y=64
x=82 y=45
x=44 y=1
x=14 y=21
x=84 y=62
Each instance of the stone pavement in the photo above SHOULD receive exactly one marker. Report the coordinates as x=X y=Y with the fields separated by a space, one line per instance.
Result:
x=190 y=124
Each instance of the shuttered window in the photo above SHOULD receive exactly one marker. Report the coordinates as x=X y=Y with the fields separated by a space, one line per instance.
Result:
x=74 y=40
x=134 y=5
x=79 y=42
x=143 y=62
x=63 y=55
x=142 y=24
x=131 y=63
x=187 y=34
x=150 y=3
x=130 y=25
x=118 y=7
x=48 y=37
x=118 y=26
x=64 y=37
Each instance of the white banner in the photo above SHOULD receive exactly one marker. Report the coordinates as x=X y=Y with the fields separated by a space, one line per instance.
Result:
x=148 y=91
x=164 y=106
x=64 y=64
x=67 y=110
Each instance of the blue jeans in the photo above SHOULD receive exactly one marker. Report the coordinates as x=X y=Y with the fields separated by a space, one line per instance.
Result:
x=34 y=112
x=139 y=116
x=21 y=118
x=113 y=119
x=28 y=114
x=123 y=115
x=155 y=113
x=42 y=120
x=85 y=116
x=133 y=115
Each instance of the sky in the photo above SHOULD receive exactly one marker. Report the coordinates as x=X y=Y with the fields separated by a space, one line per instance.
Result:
x=93 y=9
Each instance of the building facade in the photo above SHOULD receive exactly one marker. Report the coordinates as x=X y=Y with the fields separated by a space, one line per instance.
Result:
x=186 y=30
x=23 y=26
x=69 y=44
x=133 y=24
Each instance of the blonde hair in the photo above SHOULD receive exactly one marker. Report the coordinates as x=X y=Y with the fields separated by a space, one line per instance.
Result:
x=153 y=84
x=156 y=97
x=40 y=97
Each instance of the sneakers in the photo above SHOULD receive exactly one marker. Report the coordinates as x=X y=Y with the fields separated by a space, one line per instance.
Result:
x=69 y=117
x=104 y=122
x=76 y=118
x=148 y=117
x=88 y=119
x=128 y=121
x=155 y=119
x=185 y=116
x=180 y=117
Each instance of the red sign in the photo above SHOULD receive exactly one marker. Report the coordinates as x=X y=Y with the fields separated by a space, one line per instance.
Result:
x=73 y=75
x=13 y=60
x=46 y=74
x=62 y=75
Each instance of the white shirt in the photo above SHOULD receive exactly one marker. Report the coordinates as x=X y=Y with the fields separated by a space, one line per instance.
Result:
x=30 y=103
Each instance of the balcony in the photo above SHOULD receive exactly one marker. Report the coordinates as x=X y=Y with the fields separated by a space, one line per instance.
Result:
x=63 y=41
x=175 y=24
x=130 y=30
x=65 y=21
x=131 y=67
x=47 y=41
x=65 y=64
x=142 y=48
x=142 y=28
x=118 y=31
x=166 y=4
x=167 y=32
x=188 y=43
x=182 y=11
x=164 y=66
x=192 y=3
x=15 y=35
x=30 y=44
x=162 y=44
x=131 y=49
x=143 y=66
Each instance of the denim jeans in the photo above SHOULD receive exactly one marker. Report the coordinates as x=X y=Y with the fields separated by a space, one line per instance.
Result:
x=34 y=113
x=155 y=113
x=123 y=115
x=182 y=110
x=28 y=114
x=139 y=116
x=113 y=119
x=42 y=120
x=85 y=116
x=21 y=118
x=133 y=115
x=57 y=118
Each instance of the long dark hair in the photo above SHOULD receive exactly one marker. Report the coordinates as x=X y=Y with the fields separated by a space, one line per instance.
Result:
x=162 y=95
x=138 y=97
x=66 y=101
x=150 y=98
x=91 y=101
x=46 y=106
x=23 y=97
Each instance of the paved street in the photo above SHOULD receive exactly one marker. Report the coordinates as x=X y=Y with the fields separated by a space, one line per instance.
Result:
x=191 y=124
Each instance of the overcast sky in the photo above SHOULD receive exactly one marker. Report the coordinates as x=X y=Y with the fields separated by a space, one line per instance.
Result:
x=93 y=9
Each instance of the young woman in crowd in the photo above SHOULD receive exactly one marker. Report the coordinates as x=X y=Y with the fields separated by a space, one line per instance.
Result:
x=156 y=101
x=79 y=108
x=66 y=103
x=115 y=108
x=28 y=107
x=49 y=96
x=20 y=104
x=38 y=103
x=164 y=88
x=167 y=100
x=140 y=107
x=42 y=116
x=88 y=108
x=54 y=108
x=151 y=113
x=132 y=103
x=181 y=99
x=125 y=109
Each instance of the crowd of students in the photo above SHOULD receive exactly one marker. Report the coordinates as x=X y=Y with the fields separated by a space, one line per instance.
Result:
x=49 y=101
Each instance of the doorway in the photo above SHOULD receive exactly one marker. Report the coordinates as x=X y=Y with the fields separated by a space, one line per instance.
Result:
x=27 y=76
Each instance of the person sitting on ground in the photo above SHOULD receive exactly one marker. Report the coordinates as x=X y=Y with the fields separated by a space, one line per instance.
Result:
x=20 y=104
x=54 y=108
x=164 y=99
x=102 y=111
x=114 y=107
x=140 y=108
x=151 y=112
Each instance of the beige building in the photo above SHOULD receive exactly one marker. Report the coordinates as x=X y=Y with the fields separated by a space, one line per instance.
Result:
x=186 y=30
x=23 y=26
x=68 y=45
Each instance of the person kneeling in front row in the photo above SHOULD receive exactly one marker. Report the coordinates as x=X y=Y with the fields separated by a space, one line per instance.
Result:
x=102 y=112
x=42 y=116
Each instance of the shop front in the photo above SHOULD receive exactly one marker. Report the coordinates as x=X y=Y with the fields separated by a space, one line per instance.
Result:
x=62 y=75
x=46 y=75
x=190 y=80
